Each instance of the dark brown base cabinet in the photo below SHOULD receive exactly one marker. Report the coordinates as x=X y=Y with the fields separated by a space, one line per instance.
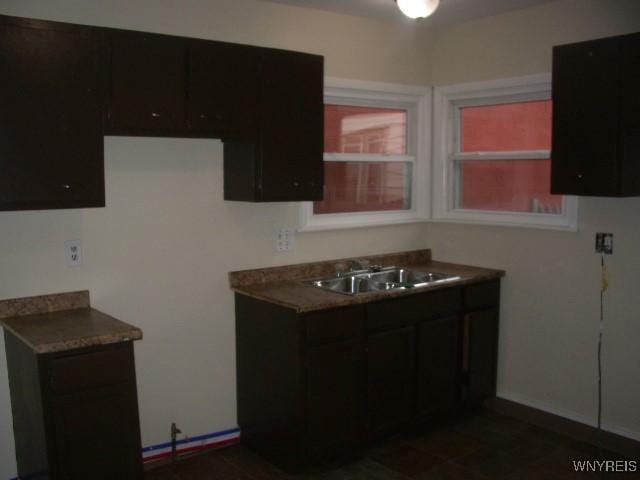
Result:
x=75 y=413
x=314 y=385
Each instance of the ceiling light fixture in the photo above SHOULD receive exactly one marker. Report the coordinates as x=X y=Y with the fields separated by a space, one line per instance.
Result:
x=417 y=8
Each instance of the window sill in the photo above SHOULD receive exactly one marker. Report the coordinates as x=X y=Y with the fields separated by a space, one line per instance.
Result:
x=362 y=220
x=497 y=219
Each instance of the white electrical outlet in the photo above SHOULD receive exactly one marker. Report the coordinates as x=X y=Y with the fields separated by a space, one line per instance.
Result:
x=285 y=240
x=73 y=253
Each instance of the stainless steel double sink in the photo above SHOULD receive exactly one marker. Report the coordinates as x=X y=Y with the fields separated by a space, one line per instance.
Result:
x=377 y=279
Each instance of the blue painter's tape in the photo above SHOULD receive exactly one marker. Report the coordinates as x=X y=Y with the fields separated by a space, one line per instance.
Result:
x=206 y=436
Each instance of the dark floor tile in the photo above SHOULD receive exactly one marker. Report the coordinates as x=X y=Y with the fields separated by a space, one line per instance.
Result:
x=535 y=472
x=160 y=473
x=483 y=447
x=446 y=443
x=491 y=434
x=209 y=466
x=364 y=469
x=404 y=458
x=253 y=464
x=450 y=471
x=490 y=462
x=528 y=450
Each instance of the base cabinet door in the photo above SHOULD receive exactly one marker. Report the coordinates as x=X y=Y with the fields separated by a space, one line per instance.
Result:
x=481 y=353
x=334 y=412
x=438 y=366
x=97 y=434
x=390 y=379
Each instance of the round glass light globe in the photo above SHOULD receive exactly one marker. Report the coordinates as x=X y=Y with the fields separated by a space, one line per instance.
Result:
x=417 y=8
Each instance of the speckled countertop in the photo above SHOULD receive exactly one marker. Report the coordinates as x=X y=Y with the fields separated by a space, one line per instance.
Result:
x=283 y=285
x=60 y=322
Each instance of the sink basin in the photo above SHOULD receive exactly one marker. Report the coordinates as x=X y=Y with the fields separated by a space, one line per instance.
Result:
x=389 y=278
x=351 y=285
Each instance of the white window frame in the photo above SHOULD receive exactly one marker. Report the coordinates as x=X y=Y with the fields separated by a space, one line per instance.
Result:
x=447 y=101
x=417 y=101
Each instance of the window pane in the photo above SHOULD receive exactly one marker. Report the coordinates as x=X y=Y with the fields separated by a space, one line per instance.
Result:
x=365 y=187
x=506 y=127
x=351 y=129
x=506 y=185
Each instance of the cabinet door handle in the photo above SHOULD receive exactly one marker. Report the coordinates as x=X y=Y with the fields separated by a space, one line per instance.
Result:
x=204 y=116
x=296 y=184
x=580 y=176
x=155 y=115
x=67 y=186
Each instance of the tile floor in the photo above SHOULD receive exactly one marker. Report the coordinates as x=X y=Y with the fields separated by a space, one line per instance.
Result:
x=482 y=447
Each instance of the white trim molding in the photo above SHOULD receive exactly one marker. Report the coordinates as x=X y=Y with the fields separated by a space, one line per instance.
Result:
x=417 y=101
x=447 y=101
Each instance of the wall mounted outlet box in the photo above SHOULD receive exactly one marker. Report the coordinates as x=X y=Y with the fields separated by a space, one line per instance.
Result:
x=285 y=240
x=73 y=253
x=604 y=243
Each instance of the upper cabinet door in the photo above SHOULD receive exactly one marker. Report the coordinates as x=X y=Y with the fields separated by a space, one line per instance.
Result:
x=222 y=94
x=292 y=126
x=147 y=84
x=596 y=137
x=51 y=101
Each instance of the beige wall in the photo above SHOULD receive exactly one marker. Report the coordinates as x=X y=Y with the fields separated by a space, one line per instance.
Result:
x=158 y=255
x=550 y=305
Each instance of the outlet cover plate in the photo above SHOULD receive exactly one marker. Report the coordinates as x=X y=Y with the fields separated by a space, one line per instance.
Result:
x=604 y=243
x=285 y=240
x=73 y=253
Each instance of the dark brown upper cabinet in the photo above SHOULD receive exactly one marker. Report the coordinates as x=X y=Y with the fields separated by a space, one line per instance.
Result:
x=596 y=118
x=51 y=104
x=222 y=93
x=147 y=95
x=64 y=86
x=285 y=163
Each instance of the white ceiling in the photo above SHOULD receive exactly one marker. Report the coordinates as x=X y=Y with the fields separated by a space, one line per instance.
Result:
x=450 y=11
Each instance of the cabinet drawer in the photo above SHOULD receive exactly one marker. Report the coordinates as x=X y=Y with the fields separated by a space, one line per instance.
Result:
x=482 y=295
x=331 y=325
x=401 y=311
x=93 y=369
